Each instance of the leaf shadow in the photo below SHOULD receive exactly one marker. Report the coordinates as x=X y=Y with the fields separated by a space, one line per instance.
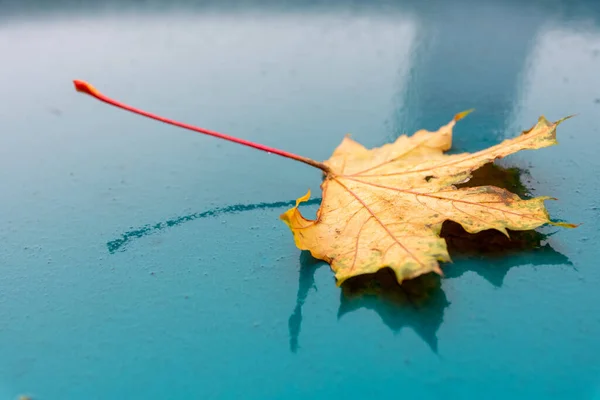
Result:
x=306 y=281
x=420 y=303
x=489 y=253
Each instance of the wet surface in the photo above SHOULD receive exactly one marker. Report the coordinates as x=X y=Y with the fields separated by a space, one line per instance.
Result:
x=144 y=262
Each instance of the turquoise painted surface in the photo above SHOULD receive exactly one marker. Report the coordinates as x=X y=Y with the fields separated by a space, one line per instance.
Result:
x=143 y=262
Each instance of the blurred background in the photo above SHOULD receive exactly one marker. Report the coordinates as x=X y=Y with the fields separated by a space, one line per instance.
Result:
x=140 y=261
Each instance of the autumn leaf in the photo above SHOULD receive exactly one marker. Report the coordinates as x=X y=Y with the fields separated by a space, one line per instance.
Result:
x=385 y=207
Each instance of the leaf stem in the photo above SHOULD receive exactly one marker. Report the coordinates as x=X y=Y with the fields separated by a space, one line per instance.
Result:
x=84 y=87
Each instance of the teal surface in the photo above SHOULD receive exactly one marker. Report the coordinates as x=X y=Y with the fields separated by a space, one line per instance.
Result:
x=139 y=261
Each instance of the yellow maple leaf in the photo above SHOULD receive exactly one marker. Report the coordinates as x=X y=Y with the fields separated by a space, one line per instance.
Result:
x=385 y=207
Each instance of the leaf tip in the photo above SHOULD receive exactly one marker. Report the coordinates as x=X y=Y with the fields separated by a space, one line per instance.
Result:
x=303 y=198
x=543 y=120
x=463 y=114
x=564 y=224
x=289 y=214
x=565 y=118
x=503 y=231
x=84 y=87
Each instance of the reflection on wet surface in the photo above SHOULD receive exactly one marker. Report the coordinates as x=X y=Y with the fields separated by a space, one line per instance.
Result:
x=225 y=303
